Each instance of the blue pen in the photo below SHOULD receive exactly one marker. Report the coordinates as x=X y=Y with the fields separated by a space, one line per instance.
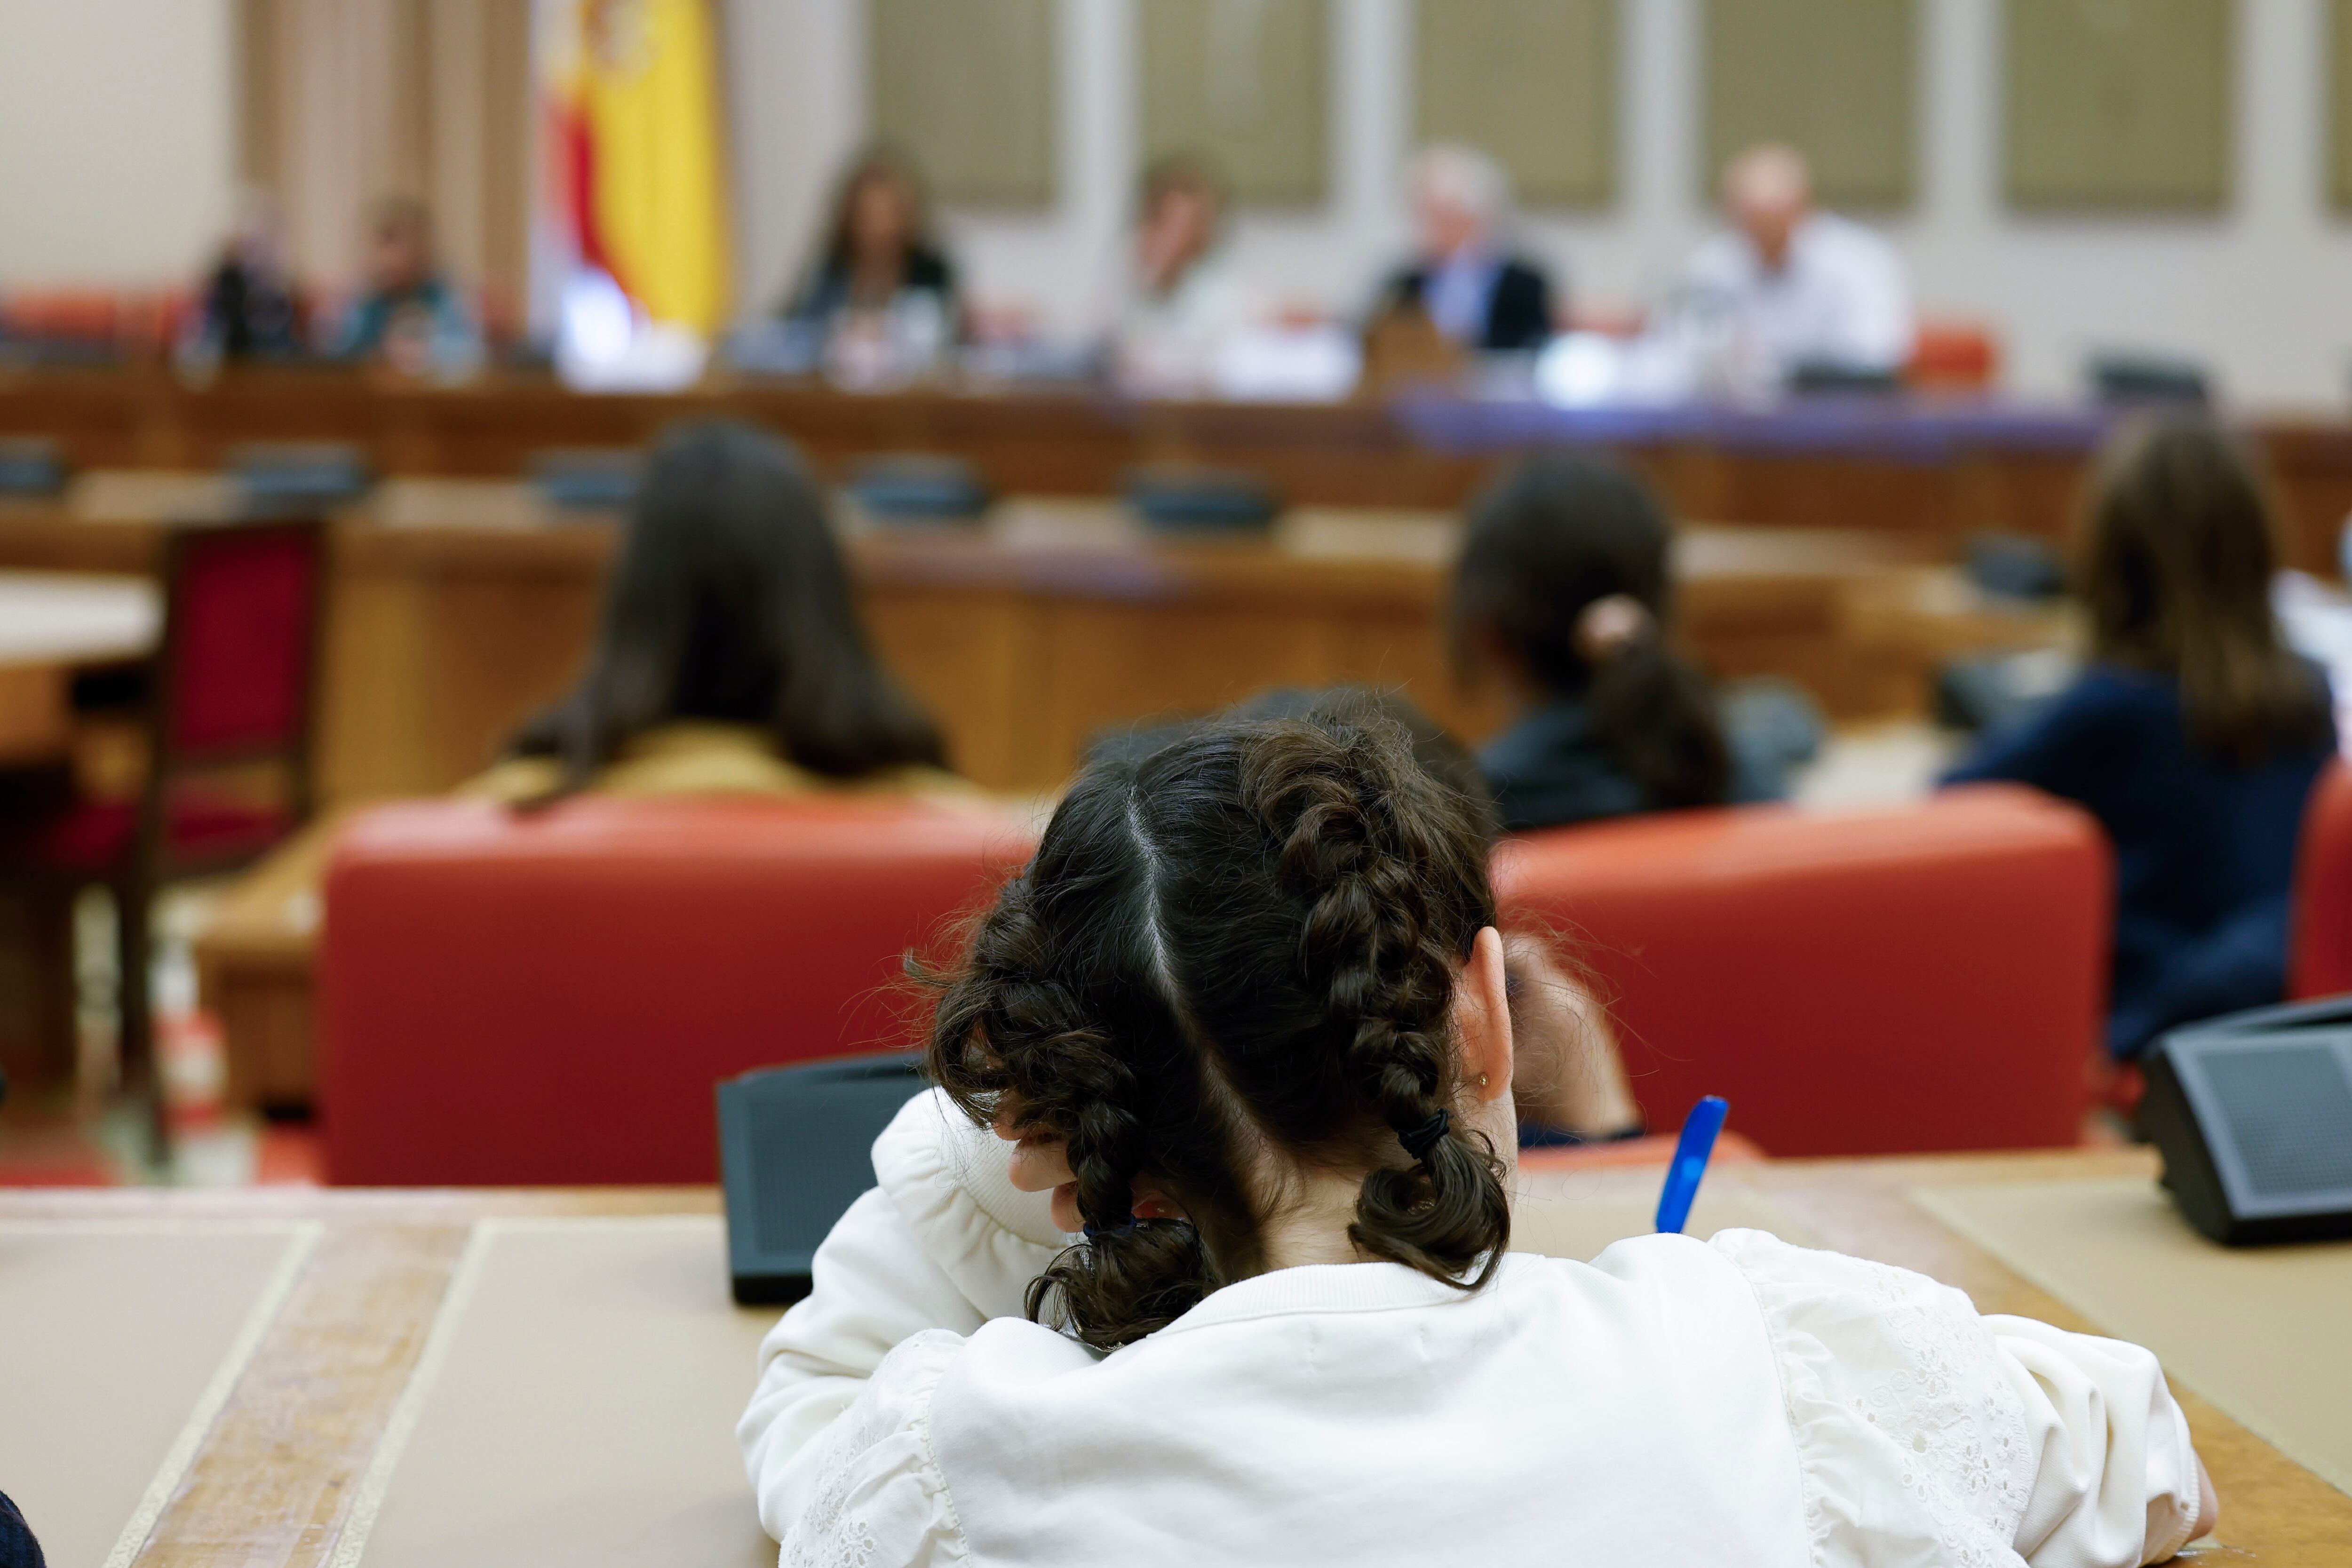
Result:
x=1691 y=1152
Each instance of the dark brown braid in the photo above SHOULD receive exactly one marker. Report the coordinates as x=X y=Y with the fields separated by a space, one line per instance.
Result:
x=1244 y=940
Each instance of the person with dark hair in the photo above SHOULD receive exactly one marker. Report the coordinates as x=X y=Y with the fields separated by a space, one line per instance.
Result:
x=1198 y=1253
x=731 y=656
x=250 y=307
x=2195 y=734
x=411 y=316
x=1570 y=1079
x=880 y=278
x=1563 y=593
x=18 y=1547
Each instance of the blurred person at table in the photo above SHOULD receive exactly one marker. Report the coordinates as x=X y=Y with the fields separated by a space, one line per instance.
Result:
x=250 y=307
x=411 y=317
x=1563 y=596
x=18 y=1547
x=1465 y=279
x=1800 y=287
x=2194 y=735
x=881 y=296
x=1181 y=302
x=731 y=658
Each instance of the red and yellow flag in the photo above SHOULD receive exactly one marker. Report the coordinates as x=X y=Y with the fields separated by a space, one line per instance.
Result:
x=632 y=89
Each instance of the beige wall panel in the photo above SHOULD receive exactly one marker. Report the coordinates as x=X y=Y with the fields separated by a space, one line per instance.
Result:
x=1245 y=83
x=2118 y=103
x=2339 y=103
x=1531 y=82
x=1838 y=79
x=968 y=88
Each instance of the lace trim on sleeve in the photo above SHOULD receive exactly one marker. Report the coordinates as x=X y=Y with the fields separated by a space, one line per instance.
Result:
x=1890 y=1377
x=879 y=1499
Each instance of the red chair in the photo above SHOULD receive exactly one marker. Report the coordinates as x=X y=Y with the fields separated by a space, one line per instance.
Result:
x=2320 y=963
x=228 y=727
x=552 y=997
x=1929 y=977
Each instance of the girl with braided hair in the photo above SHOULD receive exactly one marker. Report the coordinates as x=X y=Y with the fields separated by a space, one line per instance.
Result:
x=1198 y=1253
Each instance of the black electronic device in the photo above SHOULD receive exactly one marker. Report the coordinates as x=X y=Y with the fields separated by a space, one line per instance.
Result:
x=31 y=467
x=588 y=478
x=1202 y=501
x=795 y=1149
x=920 y=488
x=2133 y=378
x=2253 y=1115
x=290 y=476
x=1818 y=377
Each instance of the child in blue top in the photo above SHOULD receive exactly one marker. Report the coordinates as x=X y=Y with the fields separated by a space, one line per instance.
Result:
x=2194 y=736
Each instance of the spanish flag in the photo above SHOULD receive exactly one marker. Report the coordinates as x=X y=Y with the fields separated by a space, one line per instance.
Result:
x=639 y=179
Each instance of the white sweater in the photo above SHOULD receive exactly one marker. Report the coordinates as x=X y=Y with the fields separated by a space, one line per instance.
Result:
x=1674 y=1402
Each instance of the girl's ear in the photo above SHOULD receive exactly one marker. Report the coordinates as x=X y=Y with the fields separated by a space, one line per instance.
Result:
x=1482 y=1019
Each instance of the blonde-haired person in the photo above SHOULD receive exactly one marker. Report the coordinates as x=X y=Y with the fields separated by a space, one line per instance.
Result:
x=1467 y=280
x=2195 y=734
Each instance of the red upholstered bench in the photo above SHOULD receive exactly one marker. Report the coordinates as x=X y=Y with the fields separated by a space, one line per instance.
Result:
x=1925 y=977
x=2321 y=962
x=550 y=998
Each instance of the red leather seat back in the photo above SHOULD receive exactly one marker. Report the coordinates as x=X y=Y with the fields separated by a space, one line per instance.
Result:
x=2321 y=964
x=550 y=998
x=1927 y=977
x=244 y=604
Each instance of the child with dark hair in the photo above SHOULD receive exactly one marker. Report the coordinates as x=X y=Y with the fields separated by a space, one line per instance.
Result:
x=2194 y=736
x=1198 y=1253
x=1564 y=595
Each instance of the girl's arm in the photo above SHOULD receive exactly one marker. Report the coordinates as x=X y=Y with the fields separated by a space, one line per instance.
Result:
x=943 y=1241
x=2006 y=1435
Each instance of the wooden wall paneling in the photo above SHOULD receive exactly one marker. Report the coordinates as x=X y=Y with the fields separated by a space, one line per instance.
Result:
x=1111 y=665
x=1837 y=79
x=503 y=645
x=973 y=659
x=1532 y=83
x=969 y=90
x=1244 y=83
x=2118 y=104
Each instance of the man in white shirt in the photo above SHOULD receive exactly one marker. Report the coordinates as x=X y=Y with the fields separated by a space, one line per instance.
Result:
x=1804 y=287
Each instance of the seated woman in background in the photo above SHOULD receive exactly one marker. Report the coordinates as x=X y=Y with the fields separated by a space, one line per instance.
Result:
x=1563 y=596
x=1200 y=1253
x=1180 y=303
x=731 y=658
x=2193 y=736
x=879 y=284
x=411 y=317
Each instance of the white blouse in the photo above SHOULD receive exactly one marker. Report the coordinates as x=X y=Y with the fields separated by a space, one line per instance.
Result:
x=1673 y=1402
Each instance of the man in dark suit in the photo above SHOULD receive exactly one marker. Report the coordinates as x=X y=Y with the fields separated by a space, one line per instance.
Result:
x=1472 y=290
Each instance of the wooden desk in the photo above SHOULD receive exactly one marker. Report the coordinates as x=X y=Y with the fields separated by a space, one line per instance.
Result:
x=53 y=624
x=1933 y=468
x=272 y=1483
x=461 y=605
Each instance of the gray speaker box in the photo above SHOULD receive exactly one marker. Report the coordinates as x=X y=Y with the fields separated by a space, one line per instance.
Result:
x=2253 y=1116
